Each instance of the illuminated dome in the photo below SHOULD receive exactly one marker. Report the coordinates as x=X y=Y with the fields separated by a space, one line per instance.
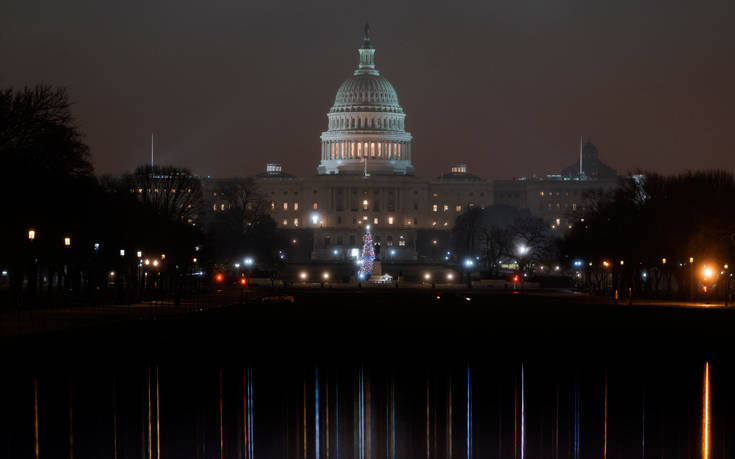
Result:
x=366 y=125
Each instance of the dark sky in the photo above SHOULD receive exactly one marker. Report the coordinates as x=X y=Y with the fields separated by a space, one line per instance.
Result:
x=507 y=86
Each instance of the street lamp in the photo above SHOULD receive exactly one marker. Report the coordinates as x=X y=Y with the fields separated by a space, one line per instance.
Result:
x=31 y=234
x=67 y=241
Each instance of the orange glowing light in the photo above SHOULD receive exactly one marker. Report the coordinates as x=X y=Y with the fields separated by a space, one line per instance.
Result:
x=243 y=281
x=705 y=417
x=219 y=277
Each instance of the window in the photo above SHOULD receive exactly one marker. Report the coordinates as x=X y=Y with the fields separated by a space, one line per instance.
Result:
x=402 y=243
x=365 y=204
x=222 y=207
x=352 y=239
x=339 y=240
x=273 y=205
x=354 y=220
x=435 y=207
x=415 y=221
x=375 y=221
x=541 y=193
x=436 y=195
x=390 y=220
x=285 y=222
x=285 y=206
x=296 y=205
x=339 y=219
x=295 y=222
x=458 y=208
x=415 y=206
x=446 y=207
x=315 y=206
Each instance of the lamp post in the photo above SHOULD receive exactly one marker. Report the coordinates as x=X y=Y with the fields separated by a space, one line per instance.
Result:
x=67 y=246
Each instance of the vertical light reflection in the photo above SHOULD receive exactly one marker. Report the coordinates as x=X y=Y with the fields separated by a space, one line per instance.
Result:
x=428 y=420
x=35 y=417
x=523 y=411
x=245 y=413
x=305 y=434
x=158 y=420
x=706 y=415
x=515 y=417
x=326 y=415
x=221 y=427
x=71 y=422
x=577 y=410
x=450 y=434
x=150 y=429
x=469 y=414
x=336 y=417
x=114 y=418
x=316 y=413
x=604 y=444
x=251 y=414
x=643 y=428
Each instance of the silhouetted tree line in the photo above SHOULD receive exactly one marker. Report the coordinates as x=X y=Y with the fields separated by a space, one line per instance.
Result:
x=500 y=232
x=655 y=224
x=47 y=186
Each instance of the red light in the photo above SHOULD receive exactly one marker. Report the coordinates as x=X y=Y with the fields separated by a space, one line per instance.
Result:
x=516 y=278
x=243 y=281
x=219 y=277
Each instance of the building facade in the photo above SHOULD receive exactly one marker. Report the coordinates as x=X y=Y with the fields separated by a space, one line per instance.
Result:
x=366 y=177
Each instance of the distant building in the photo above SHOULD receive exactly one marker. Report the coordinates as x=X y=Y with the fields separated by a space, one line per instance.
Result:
x=366 y=177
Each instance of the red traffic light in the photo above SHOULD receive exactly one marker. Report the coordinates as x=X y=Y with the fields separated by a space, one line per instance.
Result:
x=243 y=281
x=516 y=278
x=219 y=277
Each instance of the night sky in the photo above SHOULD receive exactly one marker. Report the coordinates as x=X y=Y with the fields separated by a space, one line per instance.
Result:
x=505 y=86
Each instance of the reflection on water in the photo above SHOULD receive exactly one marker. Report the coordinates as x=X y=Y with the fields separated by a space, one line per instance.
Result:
x=365 y=410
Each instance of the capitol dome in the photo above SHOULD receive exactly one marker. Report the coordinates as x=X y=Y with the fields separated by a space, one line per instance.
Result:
x=366 y=124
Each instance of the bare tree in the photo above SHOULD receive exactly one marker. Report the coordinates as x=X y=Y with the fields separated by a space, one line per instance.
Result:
x=497 y=244
x=533 y=242
x=172 y=192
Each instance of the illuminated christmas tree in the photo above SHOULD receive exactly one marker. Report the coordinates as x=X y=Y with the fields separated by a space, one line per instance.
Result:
x=368 y=255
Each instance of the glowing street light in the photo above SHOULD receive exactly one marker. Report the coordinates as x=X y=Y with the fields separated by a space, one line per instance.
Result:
x=303 y=275
x=606 y=264
x=139 y=254
x=469 y=262
x=707 y=273
x=523 y=249
x=427 y=276
x=248 y=261
x=155 y=262
x=663 y=261
x=31 y=234
x=450 y=276
x=67 y=241
x=325 y=276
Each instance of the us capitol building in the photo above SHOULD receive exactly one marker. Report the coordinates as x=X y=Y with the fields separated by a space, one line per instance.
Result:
x=366 y=177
